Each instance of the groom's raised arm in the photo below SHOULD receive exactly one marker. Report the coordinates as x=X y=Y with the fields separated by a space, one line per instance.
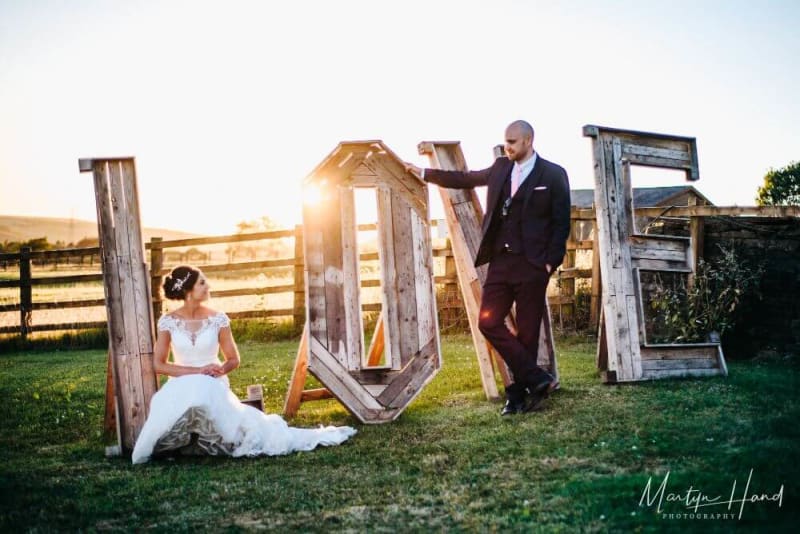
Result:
x=452 y=179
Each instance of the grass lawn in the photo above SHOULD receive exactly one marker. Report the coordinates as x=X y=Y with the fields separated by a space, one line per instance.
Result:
x=450 y=462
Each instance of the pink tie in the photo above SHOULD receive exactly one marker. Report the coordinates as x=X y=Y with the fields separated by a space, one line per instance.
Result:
x=516 y=174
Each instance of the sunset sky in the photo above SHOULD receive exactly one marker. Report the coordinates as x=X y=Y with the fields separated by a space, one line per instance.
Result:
x=228 y=105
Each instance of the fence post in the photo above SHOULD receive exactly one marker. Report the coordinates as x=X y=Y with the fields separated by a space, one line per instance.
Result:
x=299 y=280
x=696 y=232
x=567 y=285
x=25 y=296
x=597 y=288
x=156 y=280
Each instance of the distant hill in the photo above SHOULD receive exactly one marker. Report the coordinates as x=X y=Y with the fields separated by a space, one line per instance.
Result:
x=19 y=228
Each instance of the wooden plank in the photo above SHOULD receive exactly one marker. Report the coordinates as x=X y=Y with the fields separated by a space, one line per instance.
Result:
x=110 y=417
x=595 y=303
x=701 y=211
x=141 y=312
x=676 y=363
x=680 y=373
x=353 y=322
x=54 y=327
x=299 y=279
x=420 y=379
x=681 y=157
x=259 y=314
x=427 y=327
x=401 y=380
x=298 y=380
x=680 y=351
x=330 y=217
x=269 y=290
x=696 y=234
x=660 y=265
x=314 y=275
x=405 y=279
x=389 y=297
x=347 y=390
x=316 y=394
x=132 y=390
x=241 y=266
x=25 y=293
x=54 y=280
x=464 y=239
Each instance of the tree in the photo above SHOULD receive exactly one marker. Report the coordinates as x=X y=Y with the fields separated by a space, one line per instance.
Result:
x=781 y=187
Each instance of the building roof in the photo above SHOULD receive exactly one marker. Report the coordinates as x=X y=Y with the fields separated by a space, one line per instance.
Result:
x=643 y=197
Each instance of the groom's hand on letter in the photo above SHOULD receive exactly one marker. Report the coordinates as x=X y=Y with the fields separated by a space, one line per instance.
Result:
x=413 y=169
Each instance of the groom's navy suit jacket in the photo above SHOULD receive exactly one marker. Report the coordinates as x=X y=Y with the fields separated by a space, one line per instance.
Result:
x=545 y=217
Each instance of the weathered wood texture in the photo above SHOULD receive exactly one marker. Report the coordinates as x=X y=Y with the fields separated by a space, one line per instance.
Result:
x=407 y=331
x=625 y=355
x=126 y=281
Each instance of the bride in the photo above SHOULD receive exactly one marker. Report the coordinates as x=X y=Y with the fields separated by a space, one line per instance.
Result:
x=195 y=412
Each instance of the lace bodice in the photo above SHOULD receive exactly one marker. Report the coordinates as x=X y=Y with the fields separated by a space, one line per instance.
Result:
x=195 y=342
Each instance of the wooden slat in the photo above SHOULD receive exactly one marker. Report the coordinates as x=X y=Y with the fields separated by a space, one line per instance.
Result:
x=678 y=363
x=323 y=365
x=424 y=357
x=132 y=389
x=257 y=314
x=464 y=216
x=389 y=297
x=222 y=239
x=588 y=214
x=680 y=373
x=353 y=321
x=316 y=394
x=427 y=321
x=314 y=275
x=298 y=380
x=239 y=266
x=54 y=327
x=422 y=377
x=331 y=218
x=53 y=280
x=269 y=290
x=680 y=351
x=141 y=311
x=405 y=278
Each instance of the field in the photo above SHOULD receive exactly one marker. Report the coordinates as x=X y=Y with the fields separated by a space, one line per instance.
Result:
x=449 y=463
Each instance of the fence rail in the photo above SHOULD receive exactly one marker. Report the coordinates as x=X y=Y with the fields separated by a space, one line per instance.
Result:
x=566 y=275
x=157 y=247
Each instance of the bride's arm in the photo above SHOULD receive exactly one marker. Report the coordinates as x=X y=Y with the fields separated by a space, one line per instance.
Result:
x=229 y=350
x=163 y=367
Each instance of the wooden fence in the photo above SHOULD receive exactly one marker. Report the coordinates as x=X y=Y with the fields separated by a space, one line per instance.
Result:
x=158 y=249
x=563 y=303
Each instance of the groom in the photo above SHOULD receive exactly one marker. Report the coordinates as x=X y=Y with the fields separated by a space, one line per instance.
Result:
x=524 y=238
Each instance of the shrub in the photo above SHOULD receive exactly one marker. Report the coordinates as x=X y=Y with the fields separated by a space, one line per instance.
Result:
x=711 y=305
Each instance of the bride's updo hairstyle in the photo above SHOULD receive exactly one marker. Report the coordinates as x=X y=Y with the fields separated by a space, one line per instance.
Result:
x=180 y=282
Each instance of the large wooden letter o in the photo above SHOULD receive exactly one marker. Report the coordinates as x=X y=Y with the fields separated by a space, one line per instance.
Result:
x=333 y=303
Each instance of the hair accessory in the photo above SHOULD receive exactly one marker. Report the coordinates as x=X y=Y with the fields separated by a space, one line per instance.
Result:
x=179 y=282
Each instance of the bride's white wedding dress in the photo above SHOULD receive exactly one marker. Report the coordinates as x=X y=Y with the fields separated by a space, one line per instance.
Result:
x=199 y=414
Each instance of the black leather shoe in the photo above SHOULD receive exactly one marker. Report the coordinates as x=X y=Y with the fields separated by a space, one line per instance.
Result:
x=515 y=399
x=539 y=392
x=513 y=407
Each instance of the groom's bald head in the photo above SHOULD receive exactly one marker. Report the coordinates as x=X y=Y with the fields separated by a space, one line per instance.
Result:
x=519 y=140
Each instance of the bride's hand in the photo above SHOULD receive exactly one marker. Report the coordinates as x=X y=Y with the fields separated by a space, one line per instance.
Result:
x=212 y=369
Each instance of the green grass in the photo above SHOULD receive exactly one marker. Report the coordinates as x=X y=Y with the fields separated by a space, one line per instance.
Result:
x=448 y=463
